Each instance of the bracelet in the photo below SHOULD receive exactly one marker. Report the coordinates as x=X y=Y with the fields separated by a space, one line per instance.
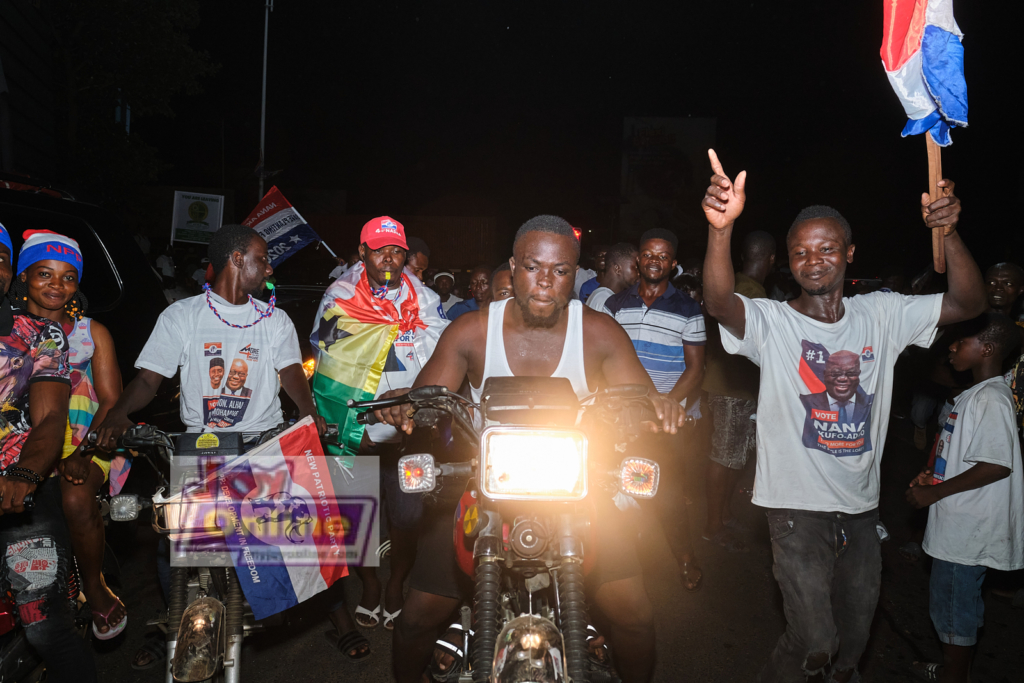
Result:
x=24 y=473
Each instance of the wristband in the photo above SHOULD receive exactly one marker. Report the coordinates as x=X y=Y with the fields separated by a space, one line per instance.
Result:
x=24 y=473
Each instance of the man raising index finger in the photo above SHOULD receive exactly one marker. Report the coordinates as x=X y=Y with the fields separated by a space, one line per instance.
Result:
x=826 y=386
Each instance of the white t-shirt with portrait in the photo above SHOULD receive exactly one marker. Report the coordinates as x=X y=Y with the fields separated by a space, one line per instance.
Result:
x=229 y=376
x=984 y=526
x=814 y=451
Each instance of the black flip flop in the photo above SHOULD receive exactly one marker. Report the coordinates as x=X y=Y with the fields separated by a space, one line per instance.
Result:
x=349 y=641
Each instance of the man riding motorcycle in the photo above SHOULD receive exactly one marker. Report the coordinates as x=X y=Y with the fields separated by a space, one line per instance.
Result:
x=542 y=332
x=35 y=386
x=231 y=350
x=255 y=341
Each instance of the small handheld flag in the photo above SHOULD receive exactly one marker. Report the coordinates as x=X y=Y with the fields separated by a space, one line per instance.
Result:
x=924 y=59
x=284 y=229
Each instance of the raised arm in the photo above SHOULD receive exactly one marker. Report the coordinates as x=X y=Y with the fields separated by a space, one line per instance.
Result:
x=723 y=203
x=966 y=296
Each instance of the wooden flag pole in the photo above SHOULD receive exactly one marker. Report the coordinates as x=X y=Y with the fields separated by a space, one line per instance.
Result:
x=934 y=192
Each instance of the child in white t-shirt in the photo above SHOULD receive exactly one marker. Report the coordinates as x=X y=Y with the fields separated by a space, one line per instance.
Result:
x=976 y=494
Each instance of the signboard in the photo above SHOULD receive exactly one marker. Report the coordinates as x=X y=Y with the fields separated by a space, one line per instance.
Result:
x=196 y=216
x=665 y=171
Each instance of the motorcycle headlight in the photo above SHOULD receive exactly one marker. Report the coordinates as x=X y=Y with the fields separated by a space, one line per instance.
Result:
x=638 y=477
x=124 y=507
x=533 y=464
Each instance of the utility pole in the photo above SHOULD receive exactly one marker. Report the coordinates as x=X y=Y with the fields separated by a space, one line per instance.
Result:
x=263 y=107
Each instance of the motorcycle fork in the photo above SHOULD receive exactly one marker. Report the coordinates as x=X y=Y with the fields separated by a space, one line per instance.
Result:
x=233 y=607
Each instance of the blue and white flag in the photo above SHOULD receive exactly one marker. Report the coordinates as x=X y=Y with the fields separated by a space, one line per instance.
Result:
x=284 y=229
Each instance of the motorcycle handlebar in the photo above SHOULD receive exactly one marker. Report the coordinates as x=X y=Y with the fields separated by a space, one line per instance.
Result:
x=367 y=418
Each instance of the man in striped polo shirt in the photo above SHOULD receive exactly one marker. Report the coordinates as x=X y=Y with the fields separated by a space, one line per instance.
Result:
x=667 y=330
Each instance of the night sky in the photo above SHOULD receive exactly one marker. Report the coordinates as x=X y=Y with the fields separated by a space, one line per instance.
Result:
x=513 y=110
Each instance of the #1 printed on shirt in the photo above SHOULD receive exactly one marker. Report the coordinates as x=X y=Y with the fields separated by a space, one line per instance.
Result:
x=838 y=420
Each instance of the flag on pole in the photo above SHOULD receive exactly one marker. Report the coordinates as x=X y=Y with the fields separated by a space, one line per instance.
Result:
x=284 y=229
x=278 y=511
x=924 y=59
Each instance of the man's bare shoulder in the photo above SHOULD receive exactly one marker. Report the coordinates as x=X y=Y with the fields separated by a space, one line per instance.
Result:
x=468 y=328
x=603 y=330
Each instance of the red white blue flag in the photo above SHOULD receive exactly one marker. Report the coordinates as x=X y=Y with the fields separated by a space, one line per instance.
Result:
x=284 y=229
x=279 y=515
x=924 y=59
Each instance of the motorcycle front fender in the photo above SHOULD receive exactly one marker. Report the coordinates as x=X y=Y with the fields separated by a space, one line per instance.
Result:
x=200 y=645
x=529 y=648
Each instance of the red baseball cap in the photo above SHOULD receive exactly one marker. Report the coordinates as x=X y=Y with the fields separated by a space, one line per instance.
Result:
x=383 y=232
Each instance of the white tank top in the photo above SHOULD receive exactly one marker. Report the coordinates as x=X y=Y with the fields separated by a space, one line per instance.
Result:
x=570 y=365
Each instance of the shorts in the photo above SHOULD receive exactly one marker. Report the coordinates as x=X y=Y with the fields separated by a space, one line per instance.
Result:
x=955 y=603
x=734 y=433
x=69 y=448
x=437 y=572
x=404 y=510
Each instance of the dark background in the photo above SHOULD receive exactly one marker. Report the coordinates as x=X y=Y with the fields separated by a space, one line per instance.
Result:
x=516 y=109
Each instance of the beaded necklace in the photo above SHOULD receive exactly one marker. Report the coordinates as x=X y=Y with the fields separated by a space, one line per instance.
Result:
x=263 y=314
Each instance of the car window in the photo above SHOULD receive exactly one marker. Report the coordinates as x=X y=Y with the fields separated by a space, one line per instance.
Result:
x=101 y=282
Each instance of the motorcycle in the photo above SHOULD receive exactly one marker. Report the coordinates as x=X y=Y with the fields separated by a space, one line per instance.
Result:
x=523 y=524
x=207 y=617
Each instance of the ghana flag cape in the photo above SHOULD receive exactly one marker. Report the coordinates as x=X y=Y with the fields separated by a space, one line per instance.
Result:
x=358 y=337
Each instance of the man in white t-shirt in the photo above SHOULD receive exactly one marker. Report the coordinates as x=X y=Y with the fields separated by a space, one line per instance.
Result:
x=225 y=327
x=976 y=495
x=444 y=283
x=818 y=473
x=619 y=273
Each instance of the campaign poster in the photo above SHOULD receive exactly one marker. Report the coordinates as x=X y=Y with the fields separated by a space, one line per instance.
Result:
x=838 y=409
x=196 y=216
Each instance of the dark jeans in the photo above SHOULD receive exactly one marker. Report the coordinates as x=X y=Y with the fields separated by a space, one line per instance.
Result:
x=829 y=568
x=37 y=561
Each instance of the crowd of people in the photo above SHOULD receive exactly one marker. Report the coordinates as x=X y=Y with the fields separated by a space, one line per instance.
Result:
x=801 y=377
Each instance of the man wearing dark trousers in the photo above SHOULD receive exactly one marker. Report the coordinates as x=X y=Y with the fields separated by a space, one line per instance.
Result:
x=818 y=467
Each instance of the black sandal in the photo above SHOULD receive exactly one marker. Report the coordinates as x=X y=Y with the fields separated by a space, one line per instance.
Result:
x=346 y=642
x=156 y=648
x=926 y=671
x=458 y=656
x=685 y=570
x=597 y=664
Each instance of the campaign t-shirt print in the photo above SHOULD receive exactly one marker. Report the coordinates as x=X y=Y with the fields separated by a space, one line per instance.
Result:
x=838 y=420
x=226 y=396
x=945 y=436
